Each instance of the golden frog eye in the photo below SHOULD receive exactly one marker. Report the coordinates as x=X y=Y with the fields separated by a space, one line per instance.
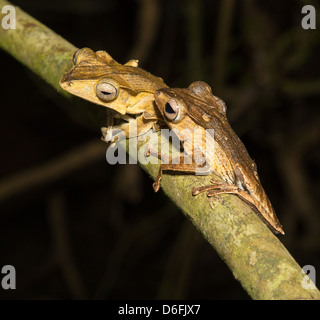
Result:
x=171 y=110
x=75 y=57
x=106 y=91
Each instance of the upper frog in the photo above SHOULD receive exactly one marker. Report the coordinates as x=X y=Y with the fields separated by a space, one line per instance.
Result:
x=126 y=89
x=196 y=108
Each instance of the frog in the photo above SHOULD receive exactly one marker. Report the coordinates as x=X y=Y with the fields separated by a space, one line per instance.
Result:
x=226 y=159
x=127 y=90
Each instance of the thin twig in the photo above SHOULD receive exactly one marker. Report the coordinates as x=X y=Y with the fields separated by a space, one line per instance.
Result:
x=62 y=246
x=177 y=270
x=53 y=170
x=221 y=43
x=148 y=22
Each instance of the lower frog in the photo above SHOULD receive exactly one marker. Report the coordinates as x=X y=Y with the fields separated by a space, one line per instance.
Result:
x=196 y=108
x=126 y=89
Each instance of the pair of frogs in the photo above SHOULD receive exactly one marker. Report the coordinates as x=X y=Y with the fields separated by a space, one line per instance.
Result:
x=137 y=96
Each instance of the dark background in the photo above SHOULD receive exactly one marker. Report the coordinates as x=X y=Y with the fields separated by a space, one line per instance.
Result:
x=99 y=231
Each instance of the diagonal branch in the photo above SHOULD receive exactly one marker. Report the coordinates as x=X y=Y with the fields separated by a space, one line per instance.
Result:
x=255 y=256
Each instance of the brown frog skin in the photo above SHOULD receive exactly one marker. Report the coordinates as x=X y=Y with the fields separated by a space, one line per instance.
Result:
x=196 y=107
x=126 y=89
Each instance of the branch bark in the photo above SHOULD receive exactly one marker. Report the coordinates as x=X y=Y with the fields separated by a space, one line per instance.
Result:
x=255 y=256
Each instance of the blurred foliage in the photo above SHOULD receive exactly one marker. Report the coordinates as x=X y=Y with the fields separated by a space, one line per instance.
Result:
x=101 y=232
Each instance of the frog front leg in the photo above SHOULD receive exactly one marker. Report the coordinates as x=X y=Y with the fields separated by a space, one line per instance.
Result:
x=112 y=134
x=183 y=163
x=132 y=128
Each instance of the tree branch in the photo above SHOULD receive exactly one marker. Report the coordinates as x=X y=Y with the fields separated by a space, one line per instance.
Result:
x=255 y=256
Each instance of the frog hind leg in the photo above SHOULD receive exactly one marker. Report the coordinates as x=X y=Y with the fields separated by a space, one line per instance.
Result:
x=219 y=187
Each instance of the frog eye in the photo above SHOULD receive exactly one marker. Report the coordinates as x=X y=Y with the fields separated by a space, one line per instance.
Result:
x=106 y=91
x=171 y=109
x=75 y=57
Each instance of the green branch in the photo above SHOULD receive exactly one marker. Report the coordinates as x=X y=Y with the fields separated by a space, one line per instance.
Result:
x=254 y=255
